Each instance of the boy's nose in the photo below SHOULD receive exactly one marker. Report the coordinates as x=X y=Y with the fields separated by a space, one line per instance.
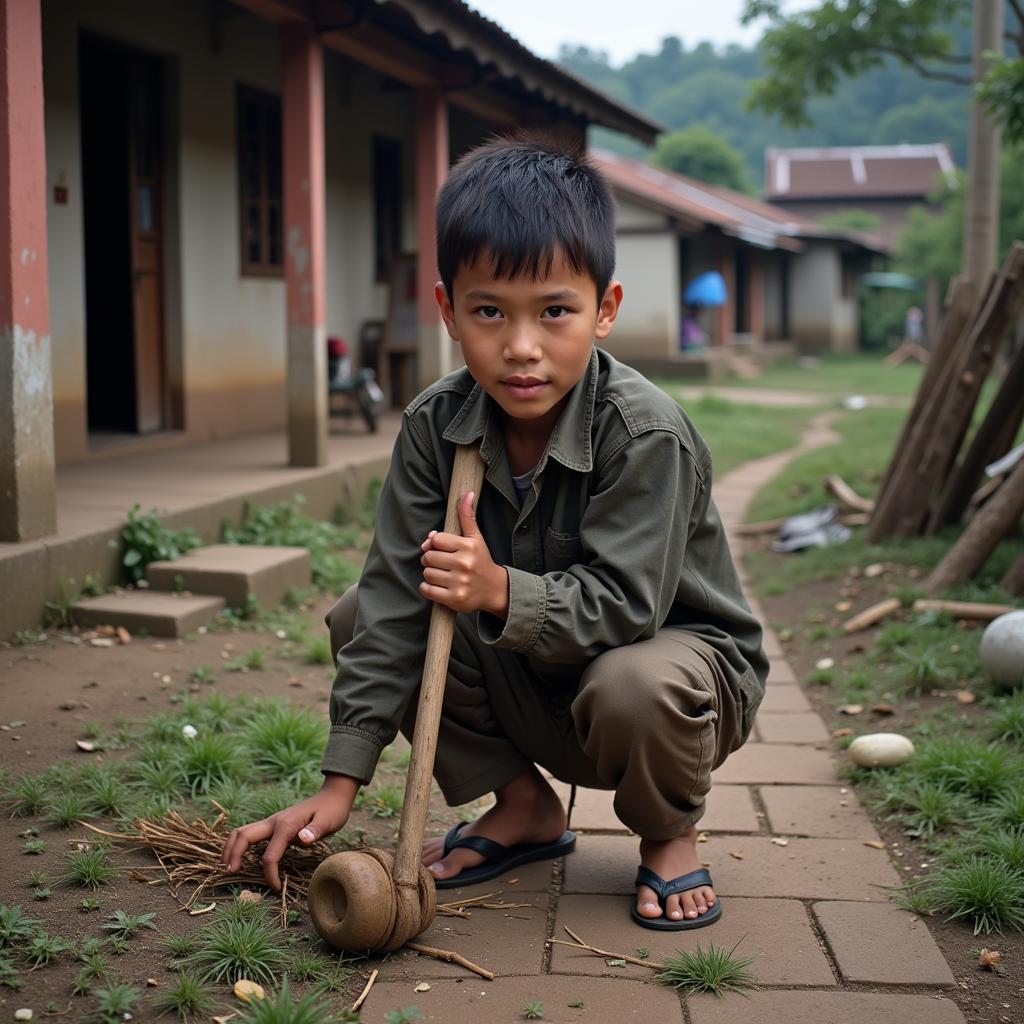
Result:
x=520 y=344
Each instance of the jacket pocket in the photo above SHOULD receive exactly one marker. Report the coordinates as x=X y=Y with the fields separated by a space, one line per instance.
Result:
x=561 y=550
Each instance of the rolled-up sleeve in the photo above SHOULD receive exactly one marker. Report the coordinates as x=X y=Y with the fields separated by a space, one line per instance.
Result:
x=380 y=668
x=633 y=535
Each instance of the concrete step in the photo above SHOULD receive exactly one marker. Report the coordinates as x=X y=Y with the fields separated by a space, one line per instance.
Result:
x=234 y=571
x=170 y=615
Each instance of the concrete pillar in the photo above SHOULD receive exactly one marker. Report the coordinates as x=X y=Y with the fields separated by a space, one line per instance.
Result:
x=28 y=499
x=435 y=347
x=302 y=110
x=724 y=319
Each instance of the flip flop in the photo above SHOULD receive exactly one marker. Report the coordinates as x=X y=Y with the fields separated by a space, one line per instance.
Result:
x=500 y=858
x=693 y=880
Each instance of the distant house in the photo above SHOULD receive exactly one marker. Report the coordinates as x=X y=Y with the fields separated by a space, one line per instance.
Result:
x=204 y=190
x=885 y=180
x=787 y=278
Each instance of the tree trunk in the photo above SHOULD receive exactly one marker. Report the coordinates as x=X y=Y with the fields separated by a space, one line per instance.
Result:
x=1003 y=418
x=980 y=539
x=916 y=428
x=1013 y=581
x=981 y=219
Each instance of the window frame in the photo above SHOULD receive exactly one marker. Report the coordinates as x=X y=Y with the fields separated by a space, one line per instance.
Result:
x=266 y=102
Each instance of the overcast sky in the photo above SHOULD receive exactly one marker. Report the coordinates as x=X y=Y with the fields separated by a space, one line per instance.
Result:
x=622 y=28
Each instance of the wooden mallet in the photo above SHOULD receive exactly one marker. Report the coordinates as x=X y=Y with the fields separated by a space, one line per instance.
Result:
x=377 y=900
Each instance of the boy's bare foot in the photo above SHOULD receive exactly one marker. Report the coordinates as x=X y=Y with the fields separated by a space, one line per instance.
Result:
x=527 y=811
x=671 y=858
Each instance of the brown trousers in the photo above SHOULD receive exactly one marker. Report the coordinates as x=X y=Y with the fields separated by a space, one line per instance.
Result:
x=649 y=720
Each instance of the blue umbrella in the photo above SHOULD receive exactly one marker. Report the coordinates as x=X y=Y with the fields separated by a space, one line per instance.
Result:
x=706 y=290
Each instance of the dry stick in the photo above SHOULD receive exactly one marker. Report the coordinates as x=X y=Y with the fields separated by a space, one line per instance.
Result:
x=1013 y=581
x=980 y=539
x=959 y=303
x=1003 y=417
x=981 y=495
x=366 y=991
x=580 y=944
x=452 y=958
x=847 y=496
x=965 y=609
x=871 y=615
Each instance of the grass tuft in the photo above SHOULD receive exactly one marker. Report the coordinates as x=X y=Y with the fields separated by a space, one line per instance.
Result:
x=89 y=868
x=239 y=944
x=984 y=891
x=187 y=996
x=282 y=1007
x=715 y=969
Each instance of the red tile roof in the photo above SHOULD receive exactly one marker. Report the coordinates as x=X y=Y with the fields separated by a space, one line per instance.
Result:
x=849 y=172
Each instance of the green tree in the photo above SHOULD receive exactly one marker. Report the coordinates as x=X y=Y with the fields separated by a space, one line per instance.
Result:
x=699 y=153
x=852 y=220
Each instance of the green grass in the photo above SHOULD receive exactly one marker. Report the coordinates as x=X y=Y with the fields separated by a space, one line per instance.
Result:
x=186 y=996
x=89 y=868
x=715 y=969
x=242 y=941
x=283 y=1007
x=15 y=927
x=124 y=926
x=840 y=375
x=115 y=1003
x=737 y=433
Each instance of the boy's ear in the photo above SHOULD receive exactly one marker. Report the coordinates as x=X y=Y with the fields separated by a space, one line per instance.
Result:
x=447 y=312
x=608 y=310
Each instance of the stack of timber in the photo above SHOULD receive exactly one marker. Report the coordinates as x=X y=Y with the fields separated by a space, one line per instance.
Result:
x=926 y=486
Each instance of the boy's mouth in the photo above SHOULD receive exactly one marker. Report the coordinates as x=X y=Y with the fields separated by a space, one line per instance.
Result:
x=524 y=387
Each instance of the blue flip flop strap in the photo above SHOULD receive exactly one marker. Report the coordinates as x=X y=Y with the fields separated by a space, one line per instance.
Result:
x=487 y=848
x=644 y=876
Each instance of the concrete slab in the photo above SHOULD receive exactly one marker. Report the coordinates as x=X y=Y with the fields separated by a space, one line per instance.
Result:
x=475 y=1001
x=234 y=572
x=777 y=762
x=824 y=812
x=881 y=943
x=780 y=671
x=159 y=614
x=783 y=698
x=841 y=869
x=797 y=727
x=822 y=1008
x=776 y=933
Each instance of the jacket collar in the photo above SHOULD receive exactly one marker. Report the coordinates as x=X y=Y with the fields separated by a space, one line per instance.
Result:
x=478 y=417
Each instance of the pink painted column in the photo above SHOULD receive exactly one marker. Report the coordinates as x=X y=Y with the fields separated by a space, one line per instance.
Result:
x=435 y=347
x=28 y=500
x=302 y=109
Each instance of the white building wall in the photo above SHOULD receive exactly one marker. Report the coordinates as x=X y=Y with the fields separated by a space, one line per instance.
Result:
x=814 y=280
x=648 y=322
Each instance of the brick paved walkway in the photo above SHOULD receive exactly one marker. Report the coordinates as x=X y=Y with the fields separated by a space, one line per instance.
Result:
x=801 y=893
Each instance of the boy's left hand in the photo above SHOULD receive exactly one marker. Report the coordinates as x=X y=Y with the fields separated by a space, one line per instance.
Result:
x=459 y=573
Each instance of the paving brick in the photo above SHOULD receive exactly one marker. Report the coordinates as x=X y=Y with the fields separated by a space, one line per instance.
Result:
x=771 y=645
x=504 y=941
x=780 y=671
x=822 y=1008
x=841 y=869
x=729 y=809
x=235 y=572
x=167 y=615
x=797 y=727
x=876 y=942
x=783 y=698
x=475 y=1001
x=776 y=933
x=529 y=878
x=824 y=812
x=777 y=762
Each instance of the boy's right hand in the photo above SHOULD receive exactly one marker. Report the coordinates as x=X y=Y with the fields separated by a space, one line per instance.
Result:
x=307 y=821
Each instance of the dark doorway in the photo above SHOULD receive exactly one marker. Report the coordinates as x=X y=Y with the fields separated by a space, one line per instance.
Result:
x=742 y=304
x=121 y=92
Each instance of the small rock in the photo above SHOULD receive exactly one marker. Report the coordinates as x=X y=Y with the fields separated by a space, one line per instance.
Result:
x=873 y=570
x=843 y=606
x=152 y=983
x=965 y=697
x=850 y=709
x=883 y=709
x=101 y=641
x=780 y=842
x=123 y=635
x=823 y=664
x=422 y=987
x=165 y=679
x=23 y=1014
x=248 y=991
x=87 y=745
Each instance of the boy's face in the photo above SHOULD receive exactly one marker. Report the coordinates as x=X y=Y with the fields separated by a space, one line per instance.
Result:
x=527 y=342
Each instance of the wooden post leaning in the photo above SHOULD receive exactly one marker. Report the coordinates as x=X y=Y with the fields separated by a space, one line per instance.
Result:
x=372 y=899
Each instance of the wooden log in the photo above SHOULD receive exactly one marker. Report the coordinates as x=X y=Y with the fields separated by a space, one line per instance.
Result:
x=914 y=435
x=979 y=540
x=1013 y=581
x=964 y=609
x=1003 y=418
x=871 y=615
x=975 y=354
x=847 y=496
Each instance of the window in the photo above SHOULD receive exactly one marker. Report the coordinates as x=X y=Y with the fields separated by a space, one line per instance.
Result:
x=387 y=205
x=259 y=177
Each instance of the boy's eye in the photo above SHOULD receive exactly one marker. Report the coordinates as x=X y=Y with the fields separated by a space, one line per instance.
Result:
x=557 y=312
x=488 y=312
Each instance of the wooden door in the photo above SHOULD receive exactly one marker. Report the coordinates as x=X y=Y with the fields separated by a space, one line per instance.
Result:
x=146 y=199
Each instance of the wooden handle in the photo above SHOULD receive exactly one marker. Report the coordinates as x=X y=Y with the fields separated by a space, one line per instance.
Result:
x=467 y=475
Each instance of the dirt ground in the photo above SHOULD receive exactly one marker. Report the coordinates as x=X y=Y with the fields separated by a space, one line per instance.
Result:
x=984 y=996
x=50 y=692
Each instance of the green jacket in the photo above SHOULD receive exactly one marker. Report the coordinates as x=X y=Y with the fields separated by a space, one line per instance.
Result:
x=618 y=538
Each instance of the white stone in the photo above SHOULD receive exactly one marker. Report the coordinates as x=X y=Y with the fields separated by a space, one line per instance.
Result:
x=880 y=750
x=23 y=1014
x=1002 y=649
x=189 y=732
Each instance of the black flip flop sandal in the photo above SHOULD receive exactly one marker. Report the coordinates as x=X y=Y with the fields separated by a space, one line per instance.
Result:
x=693 y=880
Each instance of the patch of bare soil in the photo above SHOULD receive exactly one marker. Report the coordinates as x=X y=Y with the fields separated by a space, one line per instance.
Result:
x=984 y=996
x=51 y=693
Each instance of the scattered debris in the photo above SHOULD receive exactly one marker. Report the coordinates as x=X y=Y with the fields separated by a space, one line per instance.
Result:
x=964 y=609
x=423 y=986
x=87 y=745
x=873 y=570
x=101 y=641
x=989 y=959
x=965 y=697
x=735 y=855
x=823 y=664
x=780 y=842
x=123 y=635
x=875 y=844
x=883 y=709
x=850 y=709
x=248 y=991
x=871 y=615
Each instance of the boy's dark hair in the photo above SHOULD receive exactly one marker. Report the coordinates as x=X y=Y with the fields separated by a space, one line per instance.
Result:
x=519 y=200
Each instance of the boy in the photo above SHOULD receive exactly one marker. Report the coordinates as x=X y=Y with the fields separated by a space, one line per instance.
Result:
x=603 y=631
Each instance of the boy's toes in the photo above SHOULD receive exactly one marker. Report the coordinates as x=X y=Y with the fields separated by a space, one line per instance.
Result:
x=455 y=863
x=647 y=902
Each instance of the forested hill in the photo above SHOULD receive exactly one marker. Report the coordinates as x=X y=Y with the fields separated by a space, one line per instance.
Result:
x=680 y=87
